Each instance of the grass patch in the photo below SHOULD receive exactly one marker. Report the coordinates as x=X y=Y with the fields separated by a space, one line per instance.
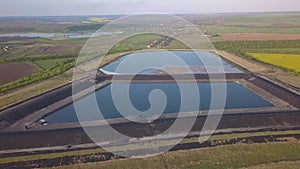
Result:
x=231 y=156
x=50 y=155
x=278 y=165
x=137 y=42
x=47 y=64
x=134 y=147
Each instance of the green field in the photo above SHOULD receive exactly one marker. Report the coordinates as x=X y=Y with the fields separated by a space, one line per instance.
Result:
x=27 y=47
x=137 y=42
x=286 y=61
x=142 y=41
x=278 y=165
x=47 y=64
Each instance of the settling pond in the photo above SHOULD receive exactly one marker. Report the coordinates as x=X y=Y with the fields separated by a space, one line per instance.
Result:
x=186 y=62
x=237 y=97
x=151 y=63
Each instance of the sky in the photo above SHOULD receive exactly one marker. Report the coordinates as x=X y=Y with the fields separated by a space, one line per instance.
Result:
x=102 y=7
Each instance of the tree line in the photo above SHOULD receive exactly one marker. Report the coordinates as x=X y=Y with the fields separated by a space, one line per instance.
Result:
x=241 y=47
x=36 y=58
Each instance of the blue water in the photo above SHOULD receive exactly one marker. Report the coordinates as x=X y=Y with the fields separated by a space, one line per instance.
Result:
x=149 y=62
x=237 y=97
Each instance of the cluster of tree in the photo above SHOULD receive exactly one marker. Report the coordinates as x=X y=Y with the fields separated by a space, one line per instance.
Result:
x=57 y=69
x=36 y=58
x=241 y=47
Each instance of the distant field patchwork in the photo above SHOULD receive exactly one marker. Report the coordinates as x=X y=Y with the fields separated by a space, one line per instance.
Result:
x=287 y=61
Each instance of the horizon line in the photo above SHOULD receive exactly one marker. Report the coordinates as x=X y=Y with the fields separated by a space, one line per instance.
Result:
x=192 y=13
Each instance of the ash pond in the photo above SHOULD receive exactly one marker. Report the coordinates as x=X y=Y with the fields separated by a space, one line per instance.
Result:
x=176 y=62
x=237 y=97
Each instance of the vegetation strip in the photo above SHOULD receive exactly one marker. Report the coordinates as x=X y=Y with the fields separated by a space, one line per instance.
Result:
x=215 y=140
x=282 y=148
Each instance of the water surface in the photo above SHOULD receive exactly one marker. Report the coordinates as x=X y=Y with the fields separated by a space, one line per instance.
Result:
x=237 y=97
x=151 y=62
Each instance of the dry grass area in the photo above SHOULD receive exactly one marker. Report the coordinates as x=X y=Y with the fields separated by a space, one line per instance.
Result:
x=258 y=36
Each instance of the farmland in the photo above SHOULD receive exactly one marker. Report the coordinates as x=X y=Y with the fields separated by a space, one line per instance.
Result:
x=47 y=64
x=240 y=50
x=13 y=71
x=53 y=57
x=283 y=50
x=18 y=47
x=286 y=61
x=270 y=23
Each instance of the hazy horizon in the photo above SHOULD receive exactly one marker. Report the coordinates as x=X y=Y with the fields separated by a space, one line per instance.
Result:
x=124 y=7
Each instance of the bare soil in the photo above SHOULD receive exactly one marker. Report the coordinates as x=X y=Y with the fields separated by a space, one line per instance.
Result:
x=13 y=71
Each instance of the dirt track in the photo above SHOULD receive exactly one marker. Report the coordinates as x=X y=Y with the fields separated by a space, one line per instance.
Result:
x=13 y=71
